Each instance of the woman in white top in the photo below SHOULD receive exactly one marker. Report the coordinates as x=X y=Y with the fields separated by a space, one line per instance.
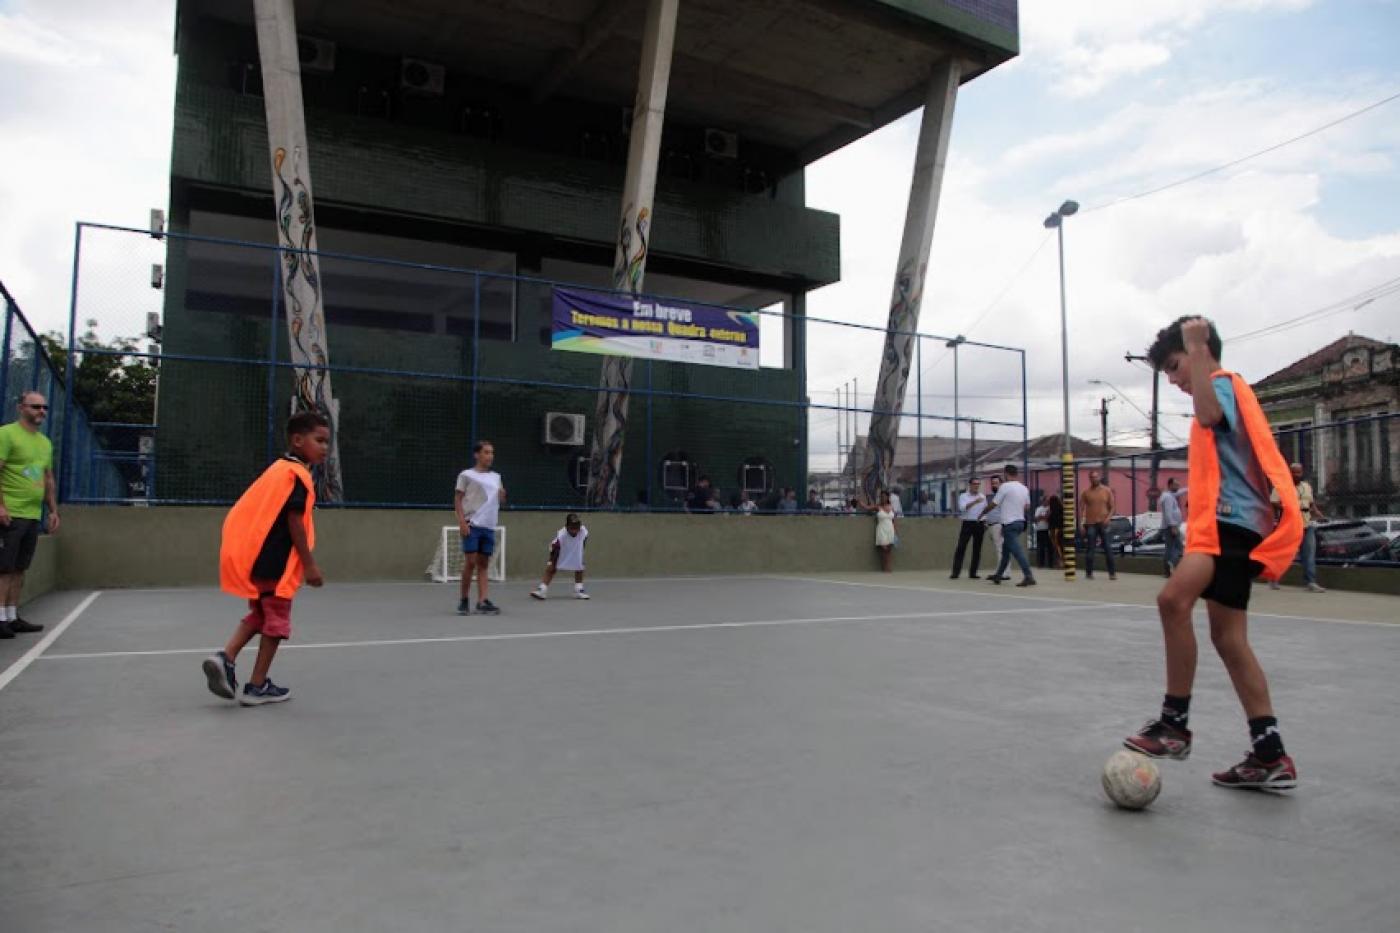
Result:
x=886 y=532
x=1042 y=535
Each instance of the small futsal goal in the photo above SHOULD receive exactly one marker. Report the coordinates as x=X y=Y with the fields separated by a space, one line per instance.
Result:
x=448 y=561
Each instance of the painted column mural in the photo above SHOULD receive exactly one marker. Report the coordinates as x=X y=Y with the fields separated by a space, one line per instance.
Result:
x=296 y=230
x=929 y=160
x=629 y=266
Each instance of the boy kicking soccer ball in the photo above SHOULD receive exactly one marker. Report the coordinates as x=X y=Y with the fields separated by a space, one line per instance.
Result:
x=266 y=553
x=1231 y=537
x=565 y=553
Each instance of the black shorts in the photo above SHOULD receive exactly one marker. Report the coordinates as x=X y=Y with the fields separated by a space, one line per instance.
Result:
x=1234 y=570
x=17 y=543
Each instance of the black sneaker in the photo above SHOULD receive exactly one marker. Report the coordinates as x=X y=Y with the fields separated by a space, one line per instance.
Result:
x=488 y=608
x=5 y=632
x=21 y=627
x=268 y=692
x=1028 y=581
x=996 y=579
x=464 y=607
x=218 y=672
x=1160 y=739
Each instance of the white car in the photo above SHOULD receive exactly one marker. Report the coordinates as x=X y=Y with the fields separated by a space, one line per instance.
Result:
x=1388 y=525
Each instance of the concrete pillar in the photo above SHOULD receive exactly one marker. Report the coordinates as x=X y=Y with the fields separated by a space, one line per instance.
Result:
x=929 y=160
x=296 y=228
x=634 y=231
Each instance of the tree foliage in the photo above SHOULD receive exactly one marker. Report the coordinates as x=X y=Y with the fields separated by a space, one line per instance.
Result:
x=110 y=385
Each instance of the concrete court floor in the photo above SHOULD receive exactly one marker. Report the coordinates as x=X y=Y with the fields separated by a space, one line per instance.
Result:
x=881 y=753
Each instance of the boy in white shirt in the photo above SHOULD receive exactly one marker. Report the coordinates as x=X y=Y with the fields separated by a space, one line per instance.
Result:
x=565 y=553
x=478 y=501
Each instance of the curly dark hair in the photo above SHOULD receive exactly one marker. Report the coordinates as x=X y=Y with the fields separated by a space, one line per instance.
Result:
x=1169 y=341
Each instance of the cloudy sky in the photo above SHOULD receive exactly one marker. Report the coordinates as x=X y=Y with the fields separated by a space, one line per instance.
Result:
x=1105 y=102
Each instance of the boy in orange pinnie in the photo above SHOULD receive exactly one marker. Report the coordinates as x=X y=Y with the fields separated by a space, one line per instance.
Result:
x=1231 y=538
x=266 y=553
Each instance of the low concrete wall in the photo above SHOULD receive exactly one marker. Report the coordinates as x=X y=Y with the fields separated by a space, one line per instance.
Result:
x=1384 y=581
x=115 y=546
x=179 y=546
x=42 y=575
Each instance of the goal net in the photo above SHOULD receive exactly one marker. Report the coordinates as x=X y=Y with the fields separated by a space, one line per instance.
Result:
x=449 y=559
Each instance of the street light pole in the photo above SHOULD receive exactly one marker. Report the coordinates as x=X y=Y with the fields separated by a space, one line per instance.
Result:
x=1153 y=491
x=1056 y=222
x=953 y=345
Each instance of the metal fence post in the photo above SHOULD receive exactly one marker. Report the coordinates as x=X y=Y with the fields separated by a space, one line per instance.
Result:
x=272 y=357
x=5 y=360
x=476 y=347
x=651 y=396
x=68 y=381
x=919 y=408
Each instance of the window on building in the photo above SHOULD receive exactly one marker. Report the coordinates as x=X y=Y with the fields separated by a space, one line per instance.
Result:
x=387 y=288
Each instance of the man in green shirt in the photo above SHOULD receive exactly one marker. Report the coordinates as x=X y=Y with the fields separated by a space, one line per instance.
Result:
x=26 y=484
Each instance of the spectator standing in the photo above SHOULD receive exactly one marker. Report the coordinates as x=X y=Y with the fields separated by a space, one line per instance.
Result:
x=26 y=485
x=814 y=502
x=1172 y=539
x=886 y=532
x=746 y=505
x=1042 y=535
x=896 y=503
x=992 y=516
x=789 y=504
x=1095 y=509
x=970 y=506
x=1057 y=528
x=923 y=506
x=1307 y=552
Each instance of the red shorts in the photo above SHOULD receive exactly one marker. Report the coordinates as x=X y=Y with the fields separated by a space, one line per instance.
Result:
x=270 y=615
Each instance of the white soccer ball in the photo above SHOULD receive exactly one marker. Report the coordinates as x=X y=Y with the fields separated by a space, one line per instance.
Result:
x=1131 y=780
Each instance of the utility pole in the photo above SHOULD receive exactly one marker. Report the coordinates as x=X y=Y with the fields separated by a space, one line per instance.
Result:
x=1153 y=490
x=1103 y=423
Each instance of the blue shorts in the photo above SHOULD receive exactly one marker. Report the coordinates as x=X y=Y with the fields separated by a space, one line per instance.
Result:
x=481 y=541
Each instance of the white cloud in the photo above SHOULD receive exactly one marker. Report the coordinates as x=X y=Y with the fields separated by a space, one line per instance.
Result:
x=87 y=139
x=1084 y=45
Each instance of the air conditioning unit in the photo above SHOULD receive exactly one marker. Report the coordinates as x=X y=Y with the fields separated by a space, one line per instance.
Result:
x=424 y=79
x=153 y=329
x=721 y=145
x=563 y=430
x=157 y=275
x=316 y=55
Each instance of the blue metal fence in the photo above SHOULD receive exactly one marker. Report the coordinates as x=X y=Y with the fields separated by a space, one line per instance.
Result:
x=79 y=452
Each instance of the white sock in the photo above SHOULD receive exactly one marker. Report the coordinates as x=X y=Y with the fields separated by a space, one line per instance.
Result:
x=11 y=614
x=578 y=587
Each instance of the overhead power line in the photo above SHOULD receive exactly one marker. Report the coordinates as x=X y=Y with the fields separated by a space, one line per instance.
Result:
x=1242 y=159
x=1352 y=303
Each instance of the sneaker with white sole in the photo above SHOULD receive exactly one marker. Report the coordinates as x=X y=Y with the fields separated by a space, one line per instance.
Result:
x=1160 y=739
x=1314 y=588
x=487 y=608
x=1253 y=774
x=581 y=593
x=219 y=674
x=266 y=692
x=540 y=592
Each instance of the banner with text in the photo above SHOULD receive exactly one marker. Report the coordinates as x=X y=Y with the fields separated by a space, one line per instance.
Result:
x=654 y=328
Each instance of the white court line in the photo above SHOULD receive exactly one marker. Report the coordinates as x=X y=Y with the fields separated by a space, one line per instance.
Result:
x=333 y=584
x=1061 y=599
x=30 y=656
x=571 y=633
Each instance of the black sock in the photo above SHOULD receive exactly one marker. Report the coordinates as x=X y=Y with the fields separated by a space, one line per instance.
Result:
x=1268 y=744
x=1175 y=709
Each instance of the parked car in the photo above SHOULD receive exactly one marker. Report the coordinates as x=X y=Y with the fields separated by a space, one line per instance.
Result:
x=1348 y=539
x=1388 y=525
x=1148 y=544
x=1144 y=523
x=1389 y=554
x=1120 y=532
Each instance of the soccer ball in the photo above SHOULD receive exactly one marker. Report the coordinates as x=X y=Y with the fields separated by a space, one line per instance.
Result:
x=1131 y=780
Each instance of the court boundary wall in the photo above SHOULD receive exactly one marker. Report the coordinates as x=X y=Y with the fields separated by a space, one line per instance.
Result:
x=108 y=547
